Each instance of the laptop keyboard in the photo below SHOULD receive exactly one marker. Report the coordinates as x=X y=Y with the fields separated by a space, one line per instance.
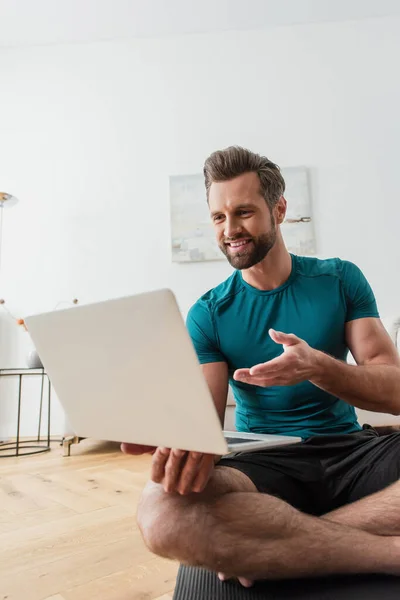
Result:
x=233 y=440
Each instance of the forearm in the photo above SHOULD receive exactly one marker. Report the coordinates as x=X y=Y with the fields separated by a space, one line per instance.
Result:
x=371 y=387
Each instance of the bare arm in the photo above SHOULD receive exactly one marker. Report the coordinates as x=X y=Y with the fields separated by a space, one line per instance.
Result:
x=216 y=375
x=374 y=384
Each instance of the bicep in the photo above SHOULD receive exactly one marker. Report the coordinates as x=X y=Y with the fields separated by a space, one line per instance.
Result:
x=216 y=375
x=370 y=343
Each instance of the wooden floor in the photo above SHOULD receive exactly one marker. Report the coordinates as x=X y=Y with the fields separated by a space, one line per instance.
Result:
x=68 y=532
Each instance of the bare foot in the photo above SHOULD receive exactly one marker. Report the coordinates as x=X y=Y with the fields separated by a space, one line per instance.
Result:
x=245 y=582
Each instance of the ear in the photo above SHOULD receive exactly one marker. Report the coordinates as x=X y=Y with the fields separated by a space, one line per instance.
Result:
x=280 y=210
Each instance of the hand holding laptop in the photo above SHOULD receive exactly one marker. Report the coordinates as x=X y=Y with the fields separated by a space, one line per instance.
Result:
x=178 y=471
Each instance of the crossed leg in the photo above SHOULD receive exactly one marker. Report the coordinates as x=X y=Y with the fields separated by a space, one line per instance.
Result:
x=378 y=513
x=374 y=491
x=232 y=528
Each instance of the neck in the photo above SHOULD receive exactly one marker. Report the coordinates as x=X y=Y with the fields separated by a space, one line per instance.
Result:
x=273 y=270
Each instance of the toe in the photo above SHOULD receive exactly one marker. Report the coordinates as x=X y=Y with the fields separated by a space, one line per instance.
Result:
x=246 y=582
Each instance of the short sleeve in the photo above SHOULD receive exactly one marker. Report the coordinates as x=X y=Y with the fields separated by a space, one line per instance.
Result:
x=360 y=298
x=199 y=323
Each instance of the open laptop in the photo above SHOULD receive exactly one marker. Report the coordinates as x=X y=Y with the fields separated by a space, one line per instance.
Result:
x=126 y=370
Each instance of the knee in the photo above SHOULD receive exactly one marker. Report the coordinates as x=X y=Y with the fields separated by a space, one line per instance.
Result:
x=159 y=515
x=169 y=523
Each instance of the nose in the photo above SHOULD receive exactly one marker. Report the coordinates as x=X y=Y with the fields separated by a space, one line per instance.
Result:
x=232 y=227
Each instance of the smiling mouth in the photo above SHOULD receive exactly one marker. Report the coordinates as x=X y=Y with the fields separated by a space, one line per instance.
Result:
x=238 y=245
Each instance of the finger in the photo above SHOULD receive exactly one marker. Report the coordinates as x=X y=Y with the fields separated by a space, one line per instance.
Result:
x=204 y=472
x=266 y=381
x=248 y=379
x=239 y=373
x=189 y=472
x=159 y=461
x=267 y=370
x=287 y=339
x=272 y=366
x=137 y=449
x=279 y=363
x=173 y=469
x=260 y=376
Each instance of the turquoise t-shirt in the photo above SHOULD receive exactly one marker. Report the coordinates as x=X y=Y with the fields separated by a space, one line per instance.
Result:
x=230 y=323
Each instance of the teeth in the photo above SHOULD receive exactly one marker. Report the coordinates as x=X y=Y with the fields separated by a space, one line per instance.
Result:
x=237 y=244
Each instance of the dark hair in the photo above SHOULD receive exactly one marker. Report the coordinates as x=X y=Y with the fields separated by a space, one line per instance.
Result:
x=223 y=165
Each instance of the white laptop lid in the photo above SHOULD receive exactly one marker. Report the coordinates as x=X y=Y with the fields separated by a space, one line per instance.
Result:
x=126 y=370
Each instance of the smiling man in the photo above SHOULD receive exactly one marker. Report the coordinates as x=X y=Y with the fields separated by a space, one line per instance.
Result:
x=279 y=330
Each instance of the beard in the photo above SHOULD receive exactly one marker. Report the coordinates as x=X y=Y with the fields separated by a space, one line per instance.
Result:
x=252 y=253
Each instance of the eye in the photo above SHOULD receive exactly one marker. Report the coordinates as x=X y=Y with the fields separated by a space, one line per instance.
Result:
x=217 y=218
x=244 y=212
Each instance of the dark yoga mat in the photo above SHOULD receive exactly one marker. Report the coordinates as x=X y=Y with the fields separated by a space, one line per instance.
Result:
x=197 y=584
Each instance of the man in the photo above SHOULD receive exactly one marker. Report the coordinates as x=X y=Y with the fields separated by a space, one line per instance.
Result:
x=279 y=330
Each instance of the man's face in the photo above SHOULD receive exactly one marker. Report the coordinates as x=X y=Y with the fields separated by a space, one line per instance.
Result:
x=244 y=226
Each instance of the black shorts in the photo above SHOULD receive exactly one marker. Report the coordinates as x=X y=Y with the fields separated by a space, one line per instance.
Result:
x=323 y=472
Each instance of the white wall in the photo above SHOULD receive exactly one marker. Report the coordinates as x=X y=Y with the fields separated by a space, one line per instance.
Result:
x=90 y=134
